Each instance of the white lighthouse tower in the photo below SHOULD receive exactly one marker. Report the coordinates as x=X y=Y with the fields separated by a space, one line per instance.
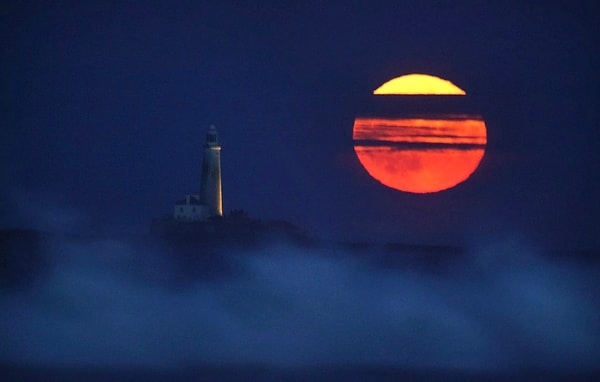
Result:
x=210 y=180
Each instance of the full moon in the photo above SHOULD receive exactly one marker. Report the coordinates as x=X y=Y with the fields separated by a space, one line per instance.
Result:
x=423 y=153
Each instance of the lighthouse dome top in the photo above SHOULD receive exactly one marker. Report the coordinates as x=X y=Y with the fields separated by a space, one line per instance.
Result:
x=212 y=137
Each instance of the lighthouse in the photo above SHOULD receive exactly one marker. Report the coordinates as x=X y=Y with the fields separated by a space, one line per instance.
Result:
x=210 y=179
x=209 y=201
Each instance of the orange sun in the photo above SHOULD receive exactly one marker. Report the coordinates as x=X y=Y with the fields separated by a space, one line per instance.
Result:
x=420 y=154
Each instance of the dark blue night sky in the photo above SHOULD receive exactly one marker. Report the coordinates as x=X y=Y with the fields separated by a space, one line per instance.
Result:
x=105 y=106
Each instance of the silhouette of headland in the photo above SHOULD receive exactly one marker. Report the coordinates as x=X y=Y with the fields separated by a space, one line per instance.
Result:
x=236 y=228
